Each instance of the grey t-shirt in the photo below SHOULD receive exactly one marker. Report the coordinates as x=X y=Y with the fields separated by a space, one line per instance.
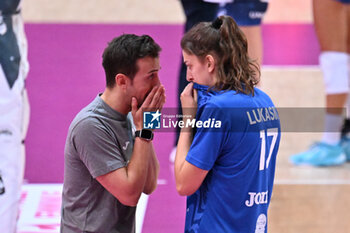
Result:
x=100 y=140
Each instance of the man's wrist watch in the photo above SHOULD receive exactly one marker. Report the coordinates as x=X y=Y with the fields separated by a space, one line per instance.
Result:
x=145 y=134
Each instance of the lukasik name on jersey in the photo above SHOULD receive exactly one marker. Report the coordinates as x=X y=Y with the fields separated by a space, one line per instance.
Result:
x=259 y=115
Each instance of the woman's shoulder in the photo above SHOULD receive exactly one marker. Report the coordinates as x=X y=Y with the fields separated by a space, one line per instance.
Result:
x=236 y=99
x=260 y=94
x=229 y=98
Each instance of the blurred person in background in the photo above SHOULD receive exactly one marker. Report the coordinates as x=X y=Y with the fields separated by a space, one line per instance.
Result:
x=14 y=111
x=332 y=25
x=248 y=14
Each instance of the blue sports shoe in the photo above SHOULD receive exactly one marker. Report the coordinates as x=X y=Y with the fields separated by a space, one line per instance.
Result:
x=345 y=143
x=320 y=154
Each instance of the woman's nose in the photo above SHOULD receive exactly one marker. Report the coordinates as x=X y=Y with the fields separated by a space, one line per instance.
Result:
x=189 y=76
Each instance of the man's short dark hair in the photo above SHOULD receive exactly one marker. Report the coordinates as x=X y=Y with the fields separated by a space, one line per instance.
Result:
x=122 y=53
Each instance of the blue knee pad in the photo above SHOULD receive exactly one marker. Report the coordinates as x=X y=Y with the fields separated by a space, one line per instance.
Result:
x=246 y=12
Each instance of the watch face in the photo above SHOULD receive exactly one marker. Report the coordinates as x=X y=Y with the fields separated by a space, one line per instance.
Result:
x=146 y=134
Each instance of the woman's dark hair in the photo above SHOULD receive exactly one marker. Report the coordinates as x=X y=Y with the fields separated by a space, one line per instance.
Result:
x=223 y=39
x=122 y=53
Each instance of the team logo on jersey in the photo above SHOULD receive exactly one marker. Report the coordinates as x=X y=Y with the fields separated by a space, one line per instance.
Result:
x=256 y=198
x=151 y=120
x=261 y=224
x=126 y=145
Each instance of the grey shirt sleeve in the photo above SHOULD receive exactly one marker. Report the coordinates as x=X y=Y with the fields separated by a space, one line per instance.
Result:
x=96 y=147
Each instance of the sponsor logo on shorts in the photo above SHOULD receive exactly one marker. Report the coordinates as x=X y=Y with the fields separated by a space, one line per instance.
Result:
x=256 y=14
x=5 y=132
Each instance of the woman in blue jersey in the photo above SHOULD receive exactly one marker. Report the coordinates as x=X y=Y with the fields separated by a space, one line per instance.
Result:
x=226 y=168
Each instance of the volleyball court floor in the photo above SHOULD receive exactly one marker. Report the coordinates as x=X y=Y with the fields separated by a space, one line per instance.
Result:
x=66 y=74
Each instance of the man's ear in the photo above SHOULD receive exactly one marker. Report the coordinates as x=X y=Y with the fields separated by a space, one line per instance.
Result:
x=121 y=81
x=210 y=62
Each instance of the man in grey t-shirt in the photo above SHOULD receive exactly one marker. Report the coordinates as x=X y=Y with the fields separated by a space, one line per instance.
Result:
x=107 y=165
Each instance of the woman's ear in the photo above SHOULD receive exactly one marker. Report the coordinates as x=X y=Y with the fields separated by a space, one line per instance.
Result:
x=210 y=62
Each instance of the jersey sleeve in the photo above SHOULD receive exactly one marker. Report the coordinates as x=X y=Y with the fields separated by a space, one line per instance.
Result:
x=97 y=148
x=208 y=143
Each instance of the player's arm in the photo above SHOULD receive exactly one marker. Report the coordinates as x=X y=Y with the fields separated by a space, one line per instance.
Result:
x=127 y=183
x=153 y=171
x=187 y=176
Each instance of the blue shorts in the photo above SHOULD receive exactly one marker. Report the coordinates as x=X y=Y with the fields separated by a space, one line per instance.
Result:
x=344 y=1
x=246 y=12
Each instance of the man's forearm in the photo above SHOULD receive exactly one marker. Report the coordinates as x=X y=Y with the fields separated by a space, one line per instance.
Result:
x=138 y=167
x=152 y=175
x=127 y=183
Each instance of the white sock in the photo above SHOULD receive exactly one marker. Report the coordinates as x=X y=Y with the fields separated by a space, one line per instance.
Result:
x=347 y=105
x=332 y=127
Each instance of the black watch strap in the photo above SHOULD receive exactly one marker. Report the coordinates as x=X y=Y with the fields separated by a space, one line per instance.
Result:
x=144 y=134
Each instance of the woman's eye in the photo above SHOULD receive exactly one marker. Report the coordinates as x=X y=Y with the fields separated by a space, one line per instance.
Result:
x=153 y=76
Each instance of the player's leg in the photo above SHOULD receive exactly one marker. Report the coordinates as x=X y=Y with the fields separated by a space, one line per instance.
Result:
x=11 y=183
x=330 y=19
x=249 y=14
x=14 y=118
x=11 y=154
x=346 y=125
x=255 y=43
x=195 y=12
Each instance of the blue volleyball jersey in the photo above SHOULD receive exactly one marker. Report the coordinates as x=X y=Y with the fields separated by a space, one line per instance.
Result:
x=240 y=158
